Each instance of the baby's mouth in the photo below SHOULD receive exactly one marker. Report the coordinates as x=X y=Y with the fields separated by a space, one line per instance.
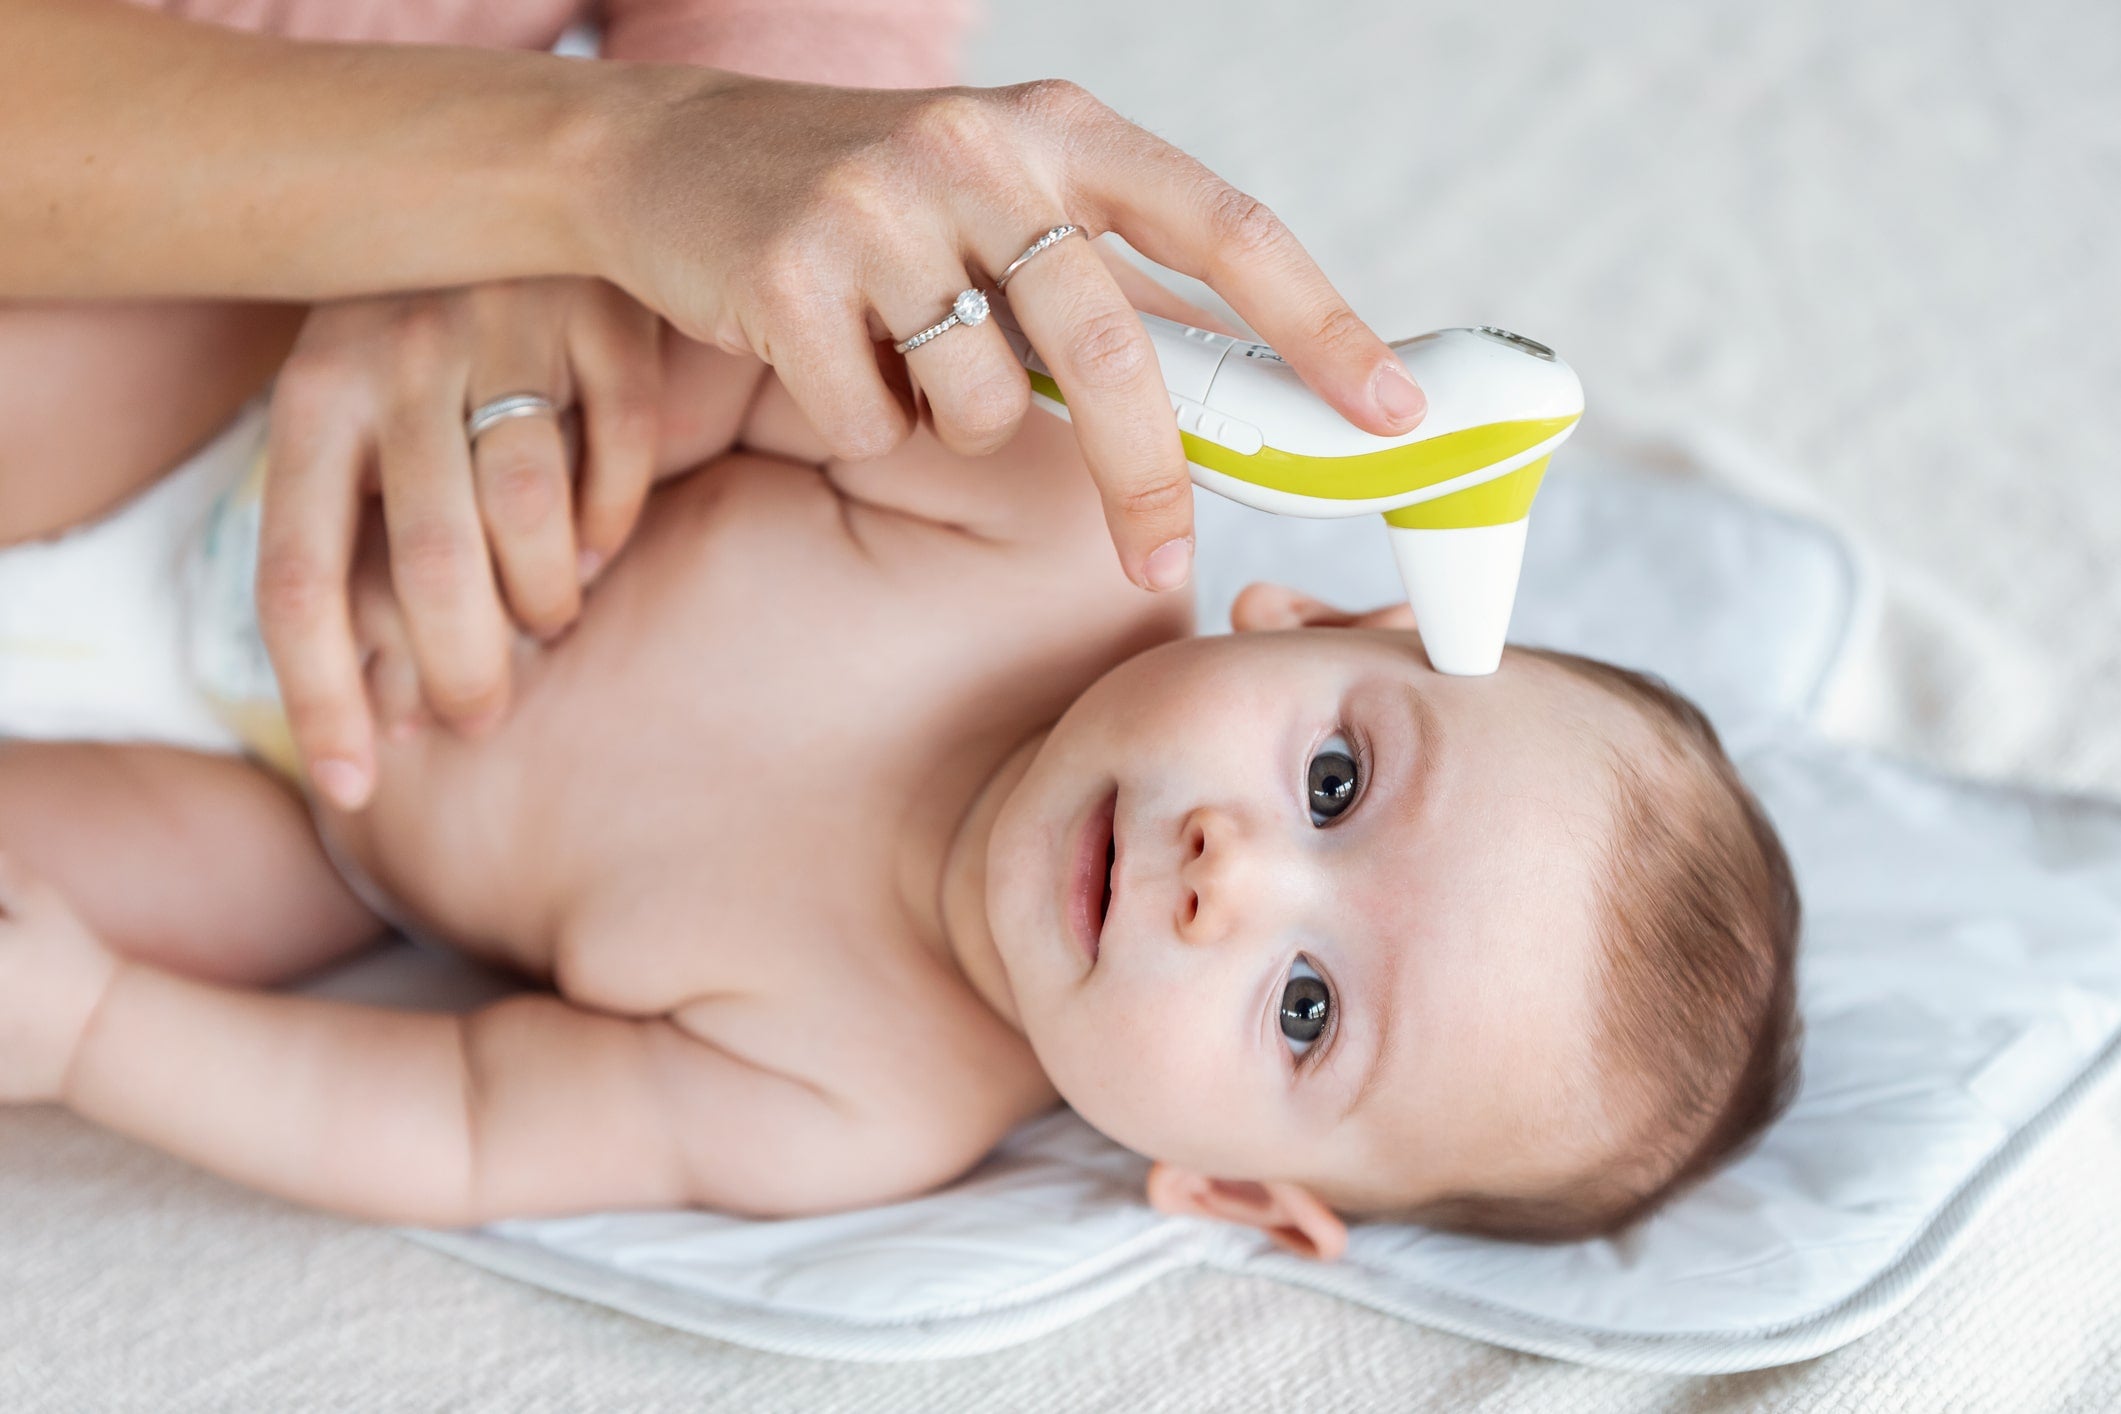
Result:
x=1092 y=887
x=1104 y=904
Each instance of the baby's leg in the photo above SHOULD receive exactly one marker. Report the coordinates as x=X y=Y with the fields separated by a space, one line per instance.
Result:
x=99 y=400
x=204 y=865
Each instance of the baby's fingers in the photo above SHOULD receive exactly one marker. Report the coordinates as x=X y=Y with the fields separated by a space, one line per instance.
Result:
x=27 y=901
x=394 y=688
x=53 y=976
x=391 y=670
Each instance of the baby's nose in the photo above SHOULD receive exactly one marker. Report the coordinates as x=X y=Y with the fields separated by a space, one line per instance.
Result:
x=1222 y=874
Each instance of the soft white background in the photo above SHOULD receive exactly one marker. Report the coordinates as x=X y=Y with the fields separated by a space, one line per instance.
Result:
x=1873 y=241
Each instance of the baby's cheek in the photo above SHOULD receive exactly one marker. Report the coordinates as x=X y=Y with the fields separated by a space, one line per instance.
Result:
x=1145 y=1088
x=1086 y=1064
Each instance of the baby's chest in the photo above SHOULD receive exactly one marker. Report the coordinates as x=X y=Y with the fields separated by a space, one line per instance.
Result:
x=722 y=908
x=754 y=585
x=809 y=969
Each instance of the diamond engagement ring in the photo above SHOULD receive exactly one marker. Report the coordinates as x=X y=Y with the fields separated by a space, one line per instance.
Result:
x=486 y=414
x=970 y=307
x=1052 y=237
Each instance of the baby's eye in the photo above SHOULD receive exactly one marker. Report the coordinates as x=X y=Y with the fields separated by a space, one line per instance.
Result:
x=1306 y=1007
x=1332 y=781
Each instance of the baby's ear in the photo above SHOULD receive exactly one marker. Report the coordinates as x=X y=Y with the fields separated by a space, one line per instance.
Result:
x=1287 y=1212
x=1267 y=606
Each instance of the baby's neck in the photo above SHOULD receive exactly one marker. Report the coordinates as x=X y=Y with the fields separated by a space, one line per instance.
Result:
x=960 y=930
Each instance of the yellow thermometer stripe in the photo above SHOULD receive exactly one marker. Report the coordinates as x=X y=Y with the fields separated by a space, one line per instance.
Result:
x=1366 y=476
x=1505 y=499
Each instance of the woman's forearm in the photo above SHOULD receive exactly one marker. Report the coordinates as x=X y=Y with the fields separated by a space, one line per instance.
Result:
x=141 y=155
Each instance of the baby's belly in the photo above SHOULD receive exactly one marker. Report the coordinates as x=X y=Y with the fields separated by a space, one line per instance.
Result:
x=634 y=744
x=98 y=400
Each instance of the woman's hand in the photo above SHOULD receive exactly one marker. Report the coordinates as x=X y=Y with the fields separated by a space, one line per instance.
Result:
x=803 y=223
x=373 y=401
x=795 y=221
x=53 y=975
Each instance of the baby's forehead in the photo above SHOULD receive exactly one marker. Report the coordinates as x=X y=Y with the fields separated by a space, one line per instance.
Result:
x=1575 y=695
x=1500 y=927
x=1501 y=1084
x=1495 y=1094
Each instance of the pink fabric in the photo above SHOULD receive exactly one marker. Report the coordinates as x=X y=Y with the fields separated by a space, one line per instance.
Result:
x=853 y=43
x=862 y=43
x=492 y=24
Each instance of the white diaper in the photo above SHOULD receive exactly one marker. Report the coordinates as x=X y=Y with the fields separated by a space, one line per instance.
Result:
x=142 y=627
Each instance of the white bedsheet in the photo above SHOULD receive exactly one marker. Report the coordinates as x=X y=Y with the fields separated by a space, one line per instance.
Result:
x=1871 y=238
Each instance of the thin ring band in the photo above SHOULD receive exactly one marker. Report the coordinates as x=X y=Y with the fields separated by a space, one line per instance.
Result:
x=1052 y=237
x=970 y=307
x=486 y=414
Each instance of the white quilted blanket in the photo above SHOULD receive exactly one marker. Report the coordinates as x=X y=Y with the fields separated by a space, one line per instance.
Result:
x=1871 y=238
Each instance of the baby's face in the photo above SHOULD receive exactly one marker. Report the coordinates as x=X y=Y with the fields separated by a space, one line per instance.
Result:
x=1350 y=938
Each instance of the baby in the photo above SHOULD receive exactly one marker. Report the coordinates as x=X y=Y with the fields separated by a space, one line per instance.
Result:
x=869 y=811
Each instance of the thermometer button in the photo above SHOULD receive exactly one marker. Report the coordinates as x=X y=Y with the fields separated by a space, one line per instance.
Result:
x=1206 y=422
x=1237 y=436
x=1516 y=341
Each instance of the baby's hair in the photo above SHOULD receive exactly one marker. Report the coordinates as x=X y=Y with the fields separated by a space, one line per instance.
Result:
x=1698 y=1015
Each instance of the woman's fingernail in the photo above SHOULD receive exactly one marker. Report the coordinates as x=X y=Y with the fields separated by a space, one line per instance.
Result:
x=1398 y=395
x=343 y=783
x=587 y=564
x=1169 y=563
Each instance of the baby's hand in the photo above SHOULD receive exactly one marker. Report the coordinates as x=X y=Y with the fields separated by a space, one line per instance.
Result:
x=390 y=671
x=53 y=974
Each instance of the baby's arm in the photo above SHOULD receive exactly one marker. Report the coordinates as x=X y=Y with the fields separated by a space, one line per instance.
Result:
x=525 y=1107
x=200 y=863
x=531 y=1106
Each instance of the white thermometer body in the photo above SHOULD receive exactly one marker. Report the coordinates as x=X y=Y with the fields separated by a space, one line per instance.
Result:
x=1455 y=492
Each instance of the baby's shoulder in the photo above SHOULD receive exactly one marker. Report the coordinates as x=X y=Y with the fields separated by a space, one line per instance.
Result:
x=1033 y=497
x=818 y=1080
x=907 y=583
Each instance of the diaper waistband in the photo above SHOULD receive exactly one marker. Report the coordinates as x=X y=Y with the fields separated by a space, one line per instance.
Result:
x=224 y=644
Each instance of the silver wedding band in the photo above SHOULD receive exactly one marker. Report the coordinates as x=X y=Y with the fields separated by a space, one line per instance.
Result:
x=486 y=414
x=1052 y=237
x=970 y=307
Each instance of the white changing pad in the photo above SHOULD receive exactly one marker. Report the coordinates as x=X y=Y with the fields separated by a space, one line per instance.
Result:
x=1960 y=981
